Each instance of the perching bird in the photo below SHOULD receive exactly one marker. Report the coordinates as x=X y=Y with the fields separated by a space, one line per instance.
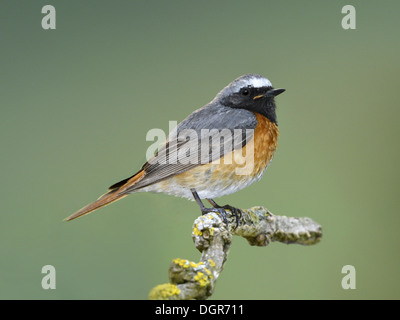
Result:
x=217 y=150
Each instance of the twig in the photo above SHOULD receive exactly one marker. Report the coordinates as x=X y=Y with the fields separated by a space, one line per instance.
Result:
x=213 y=238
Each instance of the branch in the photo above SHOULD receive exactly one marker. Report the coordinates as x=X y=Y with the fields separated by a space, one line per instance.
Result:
x=213 y=238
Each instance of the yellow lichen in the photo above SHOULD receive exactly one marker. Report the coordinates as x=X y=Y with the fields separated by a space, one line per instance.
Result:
x=202 y=279
x=164 y=292
x=212 y=263
x=196 y=231
x=195 y=265
x=181 y=262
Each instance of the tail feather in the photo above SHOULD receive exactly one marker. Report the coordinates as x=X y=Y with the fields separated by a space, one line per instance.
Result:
x=104 y=200
x=107 y=198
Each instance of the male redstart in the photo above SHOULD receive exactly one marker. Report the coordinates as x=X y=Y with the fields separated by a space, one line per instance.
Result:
x=203 y=157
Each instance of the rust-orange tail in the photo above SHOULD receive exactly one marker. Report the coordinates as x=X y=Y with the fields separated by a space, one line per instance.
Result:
x=104 y=200
x=115 y=193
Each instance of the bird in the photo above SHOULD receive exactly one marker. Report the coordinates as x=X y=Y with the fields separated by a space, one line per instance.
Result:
x=217 y=150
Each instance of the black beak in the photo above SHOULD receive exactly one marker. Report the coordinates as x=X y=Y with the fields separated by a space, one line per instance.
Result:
x=274 y=92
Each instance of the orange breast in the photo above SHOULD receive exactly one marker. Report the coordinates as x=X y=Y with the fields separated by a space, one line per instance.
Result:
x=239 y=167
x=265 y=142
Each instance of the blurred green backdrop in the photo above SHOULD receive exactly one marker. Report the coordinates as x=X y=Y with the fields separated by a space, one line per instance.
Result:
x=77 y=102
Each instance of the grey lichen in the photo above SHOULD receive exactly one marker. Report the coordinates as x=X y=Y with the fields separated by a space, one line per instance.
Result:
x=260 y=227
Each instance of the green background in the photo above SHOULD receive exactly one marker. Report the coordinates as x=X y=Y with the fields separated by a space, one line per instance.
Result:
x=76 y=104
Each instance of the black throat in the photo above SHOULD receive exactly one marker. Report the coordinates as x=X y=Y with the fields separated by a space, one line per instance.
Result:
x=267 y=109
x=264 y=106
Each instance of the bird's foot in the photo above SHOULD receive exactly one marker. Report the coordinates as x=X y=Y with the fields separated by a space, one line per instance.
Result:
x=220 y=211
x=235 y=211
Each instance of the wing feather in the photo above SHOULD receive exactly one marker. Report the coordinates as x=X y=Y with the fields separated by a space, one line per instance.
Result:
x=206 y=135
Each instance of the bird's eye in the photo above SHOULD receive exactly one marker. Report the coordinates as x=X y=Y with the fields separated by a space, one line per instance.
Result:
x=245 y=92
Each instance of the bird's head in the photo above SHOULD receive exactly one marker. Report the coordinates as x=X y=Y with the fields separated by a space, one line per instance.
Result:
x=251 y=92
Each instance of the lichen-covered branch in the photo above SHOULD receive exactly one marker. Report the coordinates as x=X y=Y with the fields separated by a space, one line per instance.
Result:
x=213 y=238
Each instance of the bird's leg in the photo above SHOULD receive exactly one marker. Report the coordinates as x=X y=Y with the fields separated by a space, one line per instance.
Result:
x=235 y=211
x=204 y=210
x=213 y=203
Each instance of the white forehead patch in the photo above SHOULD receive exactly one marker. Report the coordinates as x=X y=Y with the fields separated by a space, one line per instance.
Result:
x=252 y=80
x=249 y=80
x=259 y=82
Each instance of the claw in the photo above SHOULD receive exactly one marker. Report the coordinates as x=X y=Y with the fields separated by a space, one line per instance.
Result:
x=220 y=211
x=236 y=212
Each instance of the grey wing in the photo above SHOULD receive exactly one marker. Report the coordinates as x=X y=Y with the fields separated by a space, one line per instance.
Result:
x=206 y=135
